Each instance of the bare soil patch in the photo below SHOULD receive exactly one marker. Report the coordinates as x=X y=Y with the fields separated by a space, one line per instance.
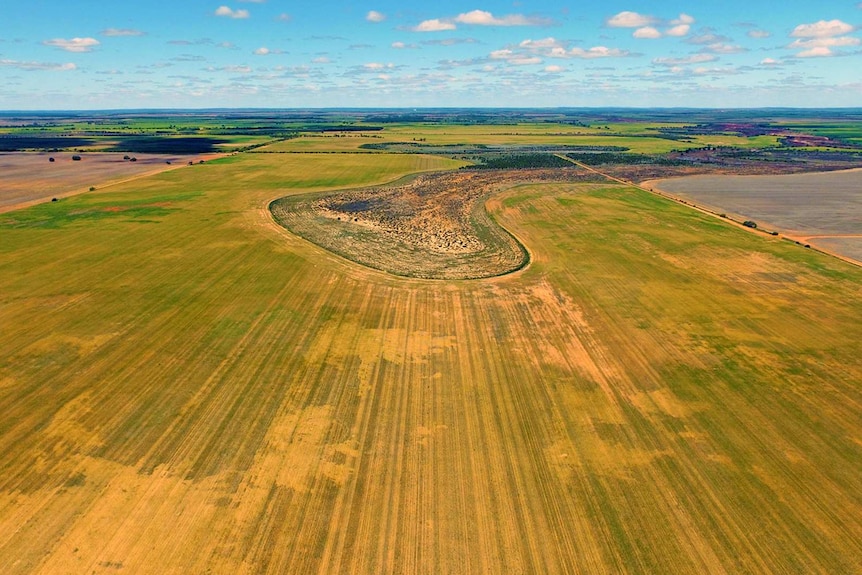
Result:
x=30 y=178
x=431 y=226
x=822 y=208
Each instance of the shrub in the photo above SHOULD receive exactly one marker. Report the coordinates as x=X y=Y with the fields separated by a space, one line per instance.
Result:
x=749 y=224
x=76 y=158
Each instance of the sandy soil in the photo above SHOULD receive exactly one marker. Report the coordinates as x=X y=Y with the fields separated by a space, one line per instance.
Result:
x=30 y=177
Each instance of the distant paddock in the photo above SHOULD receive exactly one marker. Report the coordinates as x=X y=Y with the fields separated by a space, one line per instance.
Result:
x=30 y=177
x=823 y=209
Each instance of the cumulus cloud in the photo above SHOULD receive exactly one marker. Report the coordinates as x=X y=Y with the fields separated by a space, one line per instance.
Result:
x=822 y=47
x=596 y=52
x=228 y=12
x=483 y=18
x=321 y=60
x=822 y=29
x=540 y=44
x=121 y=32
x=434 y=25
x=770 y=62
x=724 y=48
x=376 y=66
x=553 y=69
x=678 y=30
x=73 y=45
x=647 y=26
x=629 y=20
x=553 y=48
x=647 y=32
x=375 y=16
x=480 y=18
x=31 y=66
x=817 y=40
x=264 y=51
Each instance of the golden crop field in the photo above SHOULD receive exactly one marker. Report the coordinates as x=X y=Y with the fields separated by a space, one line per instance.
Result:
x=189 y=388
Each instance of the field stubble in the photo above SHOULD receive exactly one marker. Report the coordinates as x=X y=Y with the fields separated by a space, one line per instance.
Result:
x=658 y=392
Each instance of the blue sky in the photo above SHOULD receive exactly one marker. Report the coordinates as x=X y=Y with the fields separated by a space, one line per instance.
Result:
x=92 y=54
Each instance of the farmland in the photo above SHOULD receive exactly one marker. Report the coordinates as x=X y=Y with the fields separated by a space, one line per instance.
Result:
x=189 y=387
x=30 y=178
x=821 y=208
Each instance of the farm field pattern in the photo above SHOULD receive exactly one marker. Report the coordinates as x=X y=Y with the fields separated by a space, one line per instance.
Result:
x=189 y=388
x=824 y=209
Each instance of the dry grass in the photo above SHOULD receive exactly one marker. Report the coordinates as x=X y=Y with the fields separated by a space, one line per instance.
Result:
x=204 y=392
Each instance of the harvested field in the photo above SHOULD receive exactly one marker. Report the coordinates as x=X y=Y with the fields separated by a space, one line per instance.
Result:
x=434 y=226
x=29 y=177
x=659 y=392
x=823 y=209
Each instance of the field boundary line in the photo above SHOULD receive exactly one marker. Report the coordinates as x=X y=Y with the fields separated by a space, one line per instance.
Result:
x=760 y=232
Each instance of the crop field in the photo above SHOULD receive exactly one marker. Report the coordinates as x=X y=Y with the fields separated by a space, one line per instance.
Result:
x=187 y=387
x=823 y=209
x=422 y=135
x=29 y=178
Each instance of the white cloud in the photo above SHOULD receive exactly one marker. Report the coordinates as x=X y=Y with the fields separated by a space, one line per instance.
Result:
x=822 y=47
x=822 y=29
x=264 y=51
x=647 y=32
x=544 y=43
x=758 y=34
x=483 y=18
x=284 y=17
x=38 y=66
x=435 y=25
x=678 y=30
x=693 y=59
x=722 y=48
x=553 y=69
x=682 y=20
x=230 y=13
x=826 y=42
x=321 y=60
x=629 y=20
x=816 y=52
x=374 y=66
x=770 y=62
x=121 y=32
x=552 y=48
x=375 y=16
x=597 y=52
x=73 y=45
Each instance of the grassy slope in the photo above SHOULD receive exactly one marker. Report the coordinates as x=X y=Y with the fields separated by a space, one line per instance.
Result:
x=658 y=392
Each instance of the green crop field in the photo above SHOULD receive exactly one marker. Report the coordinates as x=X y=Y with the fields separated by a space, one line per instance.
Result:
x=188 y=388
